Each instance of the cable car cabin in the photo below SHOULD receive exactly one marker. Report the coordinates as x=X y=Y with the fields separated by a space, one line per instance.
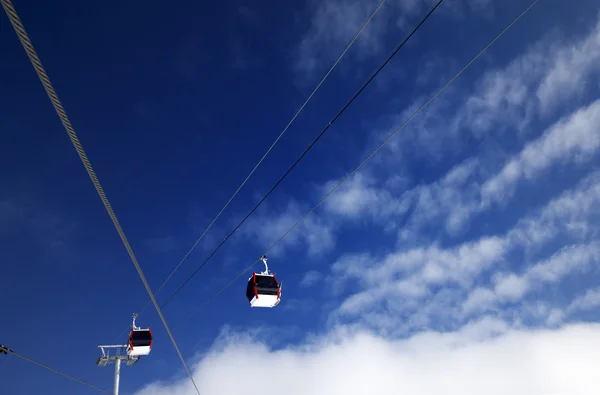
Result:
x=140 y=342
x=263 y=290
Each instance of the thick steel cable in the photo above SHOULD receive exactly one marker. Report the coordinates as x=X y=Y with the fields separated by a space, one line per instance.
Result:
x=266 y=153
x=41 y=72
x=370 y=155
x=340 y=112
x=8 y=350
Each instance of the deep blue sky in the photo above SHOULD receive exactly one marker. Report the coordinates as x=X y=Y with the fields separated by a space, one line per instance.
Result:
x=174 y=104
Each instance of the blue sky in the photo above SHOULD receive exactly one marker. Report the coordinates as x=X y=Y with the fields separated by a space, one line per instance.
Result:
x=468 y=247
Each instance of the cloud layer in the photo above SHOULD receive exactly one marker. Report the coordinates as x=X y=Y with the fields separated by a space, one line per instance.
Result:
x=519 y=362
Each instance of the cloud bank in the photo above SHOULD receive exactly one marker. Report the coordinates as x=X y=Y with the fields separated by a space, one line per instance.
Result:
x=517 y=362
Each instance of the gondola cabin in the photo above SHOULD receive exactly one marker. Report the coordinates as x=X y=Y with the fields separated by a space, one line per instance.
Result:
x=140 y=342
x=263 y=290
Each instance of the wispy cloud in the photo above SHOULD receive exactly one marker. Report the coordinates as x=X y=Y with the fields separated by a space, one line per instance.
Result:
x=402 y=279
x=533 y=83
x=572 y=215
x=315 y=234
x=511 y=287
x=362 y=195
x=311 y=278
x=504 y=97
x=590 y=300
x=572 y=139
x=333 y=23
x=465 y=191
x=572 y=67
x=332 y=26
x=411 y=279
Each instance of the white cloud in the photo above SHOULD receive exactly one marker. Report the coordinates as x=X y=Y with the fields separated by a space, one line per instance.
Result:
x=314 y=233
x=358 y=196
x=588 y=301
x=434 y=264
x=463 y=192
x=409 y=274
x=510 y=287
x=311 y=278
x=574 y=138
x=448 y=199
x=555 y=317
x=570 y=72
x=571 y=214
x=333 y=23
x=483 y=358
x=567 y=260
x=551 y=72
x=478 y=300
x=365 y=197
x=411 y=279
x=503 y=99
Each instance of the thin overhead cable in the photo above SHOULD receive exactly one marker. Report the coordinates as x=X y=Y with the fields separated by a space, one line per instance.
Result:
x=41 y=72
x=371 y=154
x=362 y=88
x=268 y=151
x=4 y=349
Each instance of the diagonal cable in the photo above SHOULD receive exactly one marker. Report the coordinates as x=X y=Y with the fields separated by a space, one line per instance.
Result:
x=41 y=72
x=362 y=88
x=9 y=351
x=370 y=155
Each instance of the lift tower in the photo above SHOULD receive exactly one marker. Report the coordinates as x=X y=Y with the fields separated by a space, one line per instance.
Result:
x=115 y=354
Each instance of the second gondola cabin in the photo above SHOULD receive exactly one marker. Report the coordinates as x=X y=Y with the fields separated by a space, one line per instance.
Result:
x=140 y=342
x=263 y=289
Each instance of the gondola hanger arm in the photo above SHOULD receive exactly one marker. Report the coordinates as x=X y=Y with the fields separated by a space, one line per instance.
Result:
x=264 y=260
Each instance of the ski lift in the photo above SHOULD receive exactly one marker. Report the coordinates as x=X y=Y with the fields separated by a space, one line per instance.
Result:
x=140 y=340
x=263 y=289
